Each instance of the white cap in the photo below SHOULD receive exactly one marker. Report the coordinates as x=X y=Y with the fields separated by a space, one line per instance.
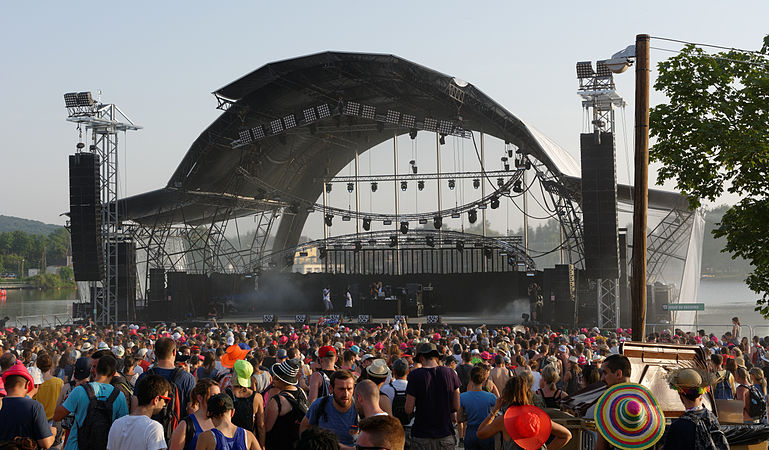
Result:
x=37 y=374
x=176 y=336
x=142 y=352
x=563 y=348
x=118 y=351
x=230 y=341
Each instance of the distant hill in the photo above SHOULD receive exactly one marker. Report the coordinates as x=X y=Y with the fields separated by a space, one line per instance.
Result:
x=8 y=223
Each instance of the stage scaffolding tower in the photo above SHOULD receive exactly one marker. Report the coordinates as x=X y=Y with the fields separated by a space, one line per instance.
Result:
x=104 y=121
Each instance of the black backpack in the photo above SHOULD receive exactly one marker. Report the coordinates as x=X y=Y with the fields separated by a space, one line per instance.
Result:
x=94 y=431
x=399 y=406
x=757 y=406
x=169 y=416
x=707 y=436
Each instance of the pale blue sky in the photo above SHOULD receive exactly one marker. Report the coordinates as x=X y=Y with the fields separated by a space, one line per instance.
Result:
x=159 y=61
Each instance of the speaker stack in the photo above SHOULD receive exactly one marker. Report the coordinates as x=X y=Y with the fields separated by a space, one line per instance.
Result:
x=85 y=217
x=126 y=284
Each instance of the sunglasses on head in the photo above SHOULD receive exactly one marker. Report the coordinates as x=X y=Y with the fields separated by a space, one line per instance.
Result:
x=167 y=399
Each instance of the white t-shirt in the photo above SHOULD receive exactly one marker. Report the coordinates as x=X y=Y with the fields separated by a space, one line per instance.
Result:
x=348 y=303
x=397 y=384
x=135 y=433
x=537 y=378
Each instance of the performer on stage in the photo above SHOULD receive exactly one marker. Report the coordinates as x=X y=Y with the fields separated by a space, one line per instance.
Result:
x=348 y=303
x=327 y=305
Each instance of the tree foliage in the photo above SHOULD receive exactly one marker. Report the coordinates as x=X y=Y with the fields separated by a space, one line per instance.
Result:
x=712 y=137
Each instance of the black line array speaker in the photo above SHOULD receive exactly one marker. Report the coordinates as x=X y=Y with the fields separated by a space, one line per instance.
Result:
x=85 y=217
x=157 y=290
x=126 y=284
x=599 y=206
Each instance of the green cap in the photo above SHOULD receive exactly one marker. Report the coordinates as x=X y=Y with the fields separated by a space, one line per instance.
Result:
x=243 y=371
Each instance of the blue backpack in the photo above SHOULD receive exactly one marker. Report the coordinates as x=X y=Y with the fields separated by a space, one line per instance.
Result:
x=723 y=390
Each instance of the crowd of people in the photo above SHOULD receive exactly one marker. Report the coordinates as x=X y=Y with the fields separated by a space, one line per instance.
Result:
x=257 y=386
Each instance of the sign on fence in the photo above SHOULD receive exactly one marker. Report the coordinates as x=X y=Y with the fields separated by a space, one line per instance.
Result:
x=684 y=307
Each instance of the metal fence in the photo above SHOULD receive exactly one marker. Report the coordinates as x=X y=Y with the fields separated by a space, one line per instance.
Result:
x=44 y=320
x=717 y=329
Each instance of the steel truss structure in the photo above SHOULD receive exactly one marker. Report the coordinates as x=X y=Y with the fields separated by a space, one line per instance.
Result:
x=666 y=240
x=104 y=121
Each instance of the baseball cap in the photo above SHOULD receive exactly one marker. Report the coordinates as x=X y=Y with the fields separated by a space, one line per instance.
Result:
x=282 y=354
x=243 y=371
x=326 y=350
x=82 y=368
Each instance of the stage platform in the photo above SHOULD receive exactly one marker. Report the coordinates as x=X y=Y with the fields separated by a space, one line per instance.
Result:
x=449 y=319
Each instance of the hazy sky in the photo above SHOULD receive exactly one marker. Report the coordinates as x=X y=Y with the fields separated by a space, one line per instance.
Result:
x=159 y=61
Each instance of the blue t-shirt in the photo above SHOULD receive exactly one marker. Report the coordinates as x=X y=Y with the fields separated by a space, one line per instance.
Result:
x=477 y=405
x=22 y=416
x=185 y=381
x=77 y=403
x=334 y=420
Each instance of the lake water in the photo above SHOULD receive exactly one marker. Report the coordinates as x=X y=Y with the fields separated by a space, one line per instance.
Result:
x=723 y=300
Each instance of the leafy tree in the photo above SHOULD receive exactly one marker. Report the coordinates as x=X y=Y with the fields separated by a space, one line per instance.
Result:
x=713 y=137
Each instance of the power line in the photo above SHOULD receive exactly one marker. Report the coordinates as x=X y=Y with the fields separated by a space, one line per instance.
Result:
x=710 y=45
x=751 y=63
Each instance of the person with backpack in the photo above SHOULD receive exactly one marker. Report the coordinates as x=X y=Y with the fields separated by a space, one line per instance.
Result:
x=475 y=404
x=225 y=435
x=754 y=407
x=96 y=405
x=181 y=381
x=759 y=382
x=186 y=434
x=724 y=384
x=286 y=409
x=321 y=379
x=80 y=374
x=367 y=399
x=395 y=390
x=138 y=431
x=249 y=406
x=335 y=412
x=697 y=428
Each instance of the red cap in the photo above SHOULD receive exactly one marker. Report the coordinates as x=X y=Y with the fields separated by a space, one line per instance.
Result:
x=19 y=369
x=326 y=350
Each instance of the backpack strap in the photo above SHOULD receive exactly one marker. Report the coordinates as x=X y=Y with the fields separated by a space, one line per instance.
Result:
x=189 y=431
x=89 y=391
x=113 y=395
x=175 y=374
x=321 y=410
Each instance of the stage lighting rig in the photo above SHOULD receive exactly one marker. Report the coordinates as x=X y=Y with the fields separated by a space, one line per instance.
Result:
x=421 y=184
x=358 y=246
x=430 y=241
x=393 y=241
x=494 y=202
x=500 y=181
x=452 y=184
x=476 y=183
x=413 y=133
x=329 y=219
x=366 y=224
x=422 y=221
x=321 y=252
x=517 y=187
x=404 y=227
x=443 y=139
x=460 y=246
x=472 y=216
x=387 y=222
x=374 y=186
x=505 y=163
x=346 y=218
x=404 y=185
x=455 y=215
x=328 y=187
x=413 y=164
x=437 y=222
x=350 y=187
x=488 y=252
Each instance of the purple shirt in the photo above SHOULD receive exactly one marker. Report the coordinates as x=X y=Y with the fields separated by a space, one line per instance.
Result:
x=433 y=390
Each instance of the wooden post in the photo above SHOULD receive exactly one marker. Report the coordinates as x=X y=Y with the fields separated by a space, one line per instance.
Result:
x=640 y=193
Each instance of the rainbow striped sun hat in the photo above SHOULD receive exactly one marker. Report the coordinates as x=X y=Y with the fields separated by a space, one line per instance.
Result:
x=628 y=417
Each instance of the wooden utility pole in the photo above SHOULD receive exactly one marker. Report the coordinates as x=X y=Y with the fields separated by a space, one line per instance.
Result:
x=641 y=191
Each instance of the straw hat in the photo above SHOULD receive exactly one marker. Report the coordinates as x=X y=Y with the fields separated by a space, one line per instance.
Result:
x=628 y=417
x=690 y=378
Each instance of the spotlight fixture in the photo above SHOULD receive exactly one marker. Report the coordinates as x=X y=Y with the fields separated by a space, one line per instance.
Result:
x=404 y=227
x=500 y=181
x=80 y=146
x=372 y=242
x=472 y=216
x=487 y=252
x=437 y=222
x=374 y=186
x=329 y=219
x=404 y=185
x=393 y=240
x=494 y=202
x=476 y=183
x=443 y=139
x=509 y=152
x=350 y=187
x=528 y=164
x=452 y=183
x=430 y=241
x=413 y=133
x=420 y=184
x=328 y=187
x=321 y=252
x=460 y=246
x=366 y=224
x=505 y=163
x=358 y=246
x=517 y=187
x=413 y=164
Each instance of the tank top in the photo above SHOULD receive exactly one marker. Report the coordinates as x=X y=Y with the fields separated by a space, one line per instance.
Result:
x=551 y=402
x=237 y=442
x=198 y=431
x=244 y=410
x=285 y=432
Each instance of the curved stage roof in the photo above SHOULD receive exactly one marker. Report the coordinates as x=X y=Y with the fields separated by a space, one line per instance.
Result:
x=216 y=175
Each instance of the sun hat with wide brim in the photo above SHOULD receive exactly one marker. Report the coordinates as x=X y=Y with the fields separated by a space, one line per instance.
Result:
x=234 y=353
x=628 y=417
x=528 y=426
x=689 y=379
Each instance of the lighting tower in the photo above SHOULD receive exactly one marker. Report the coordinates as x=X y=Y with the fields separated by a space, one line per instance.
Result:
x=599 y=96
x=104 y=121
